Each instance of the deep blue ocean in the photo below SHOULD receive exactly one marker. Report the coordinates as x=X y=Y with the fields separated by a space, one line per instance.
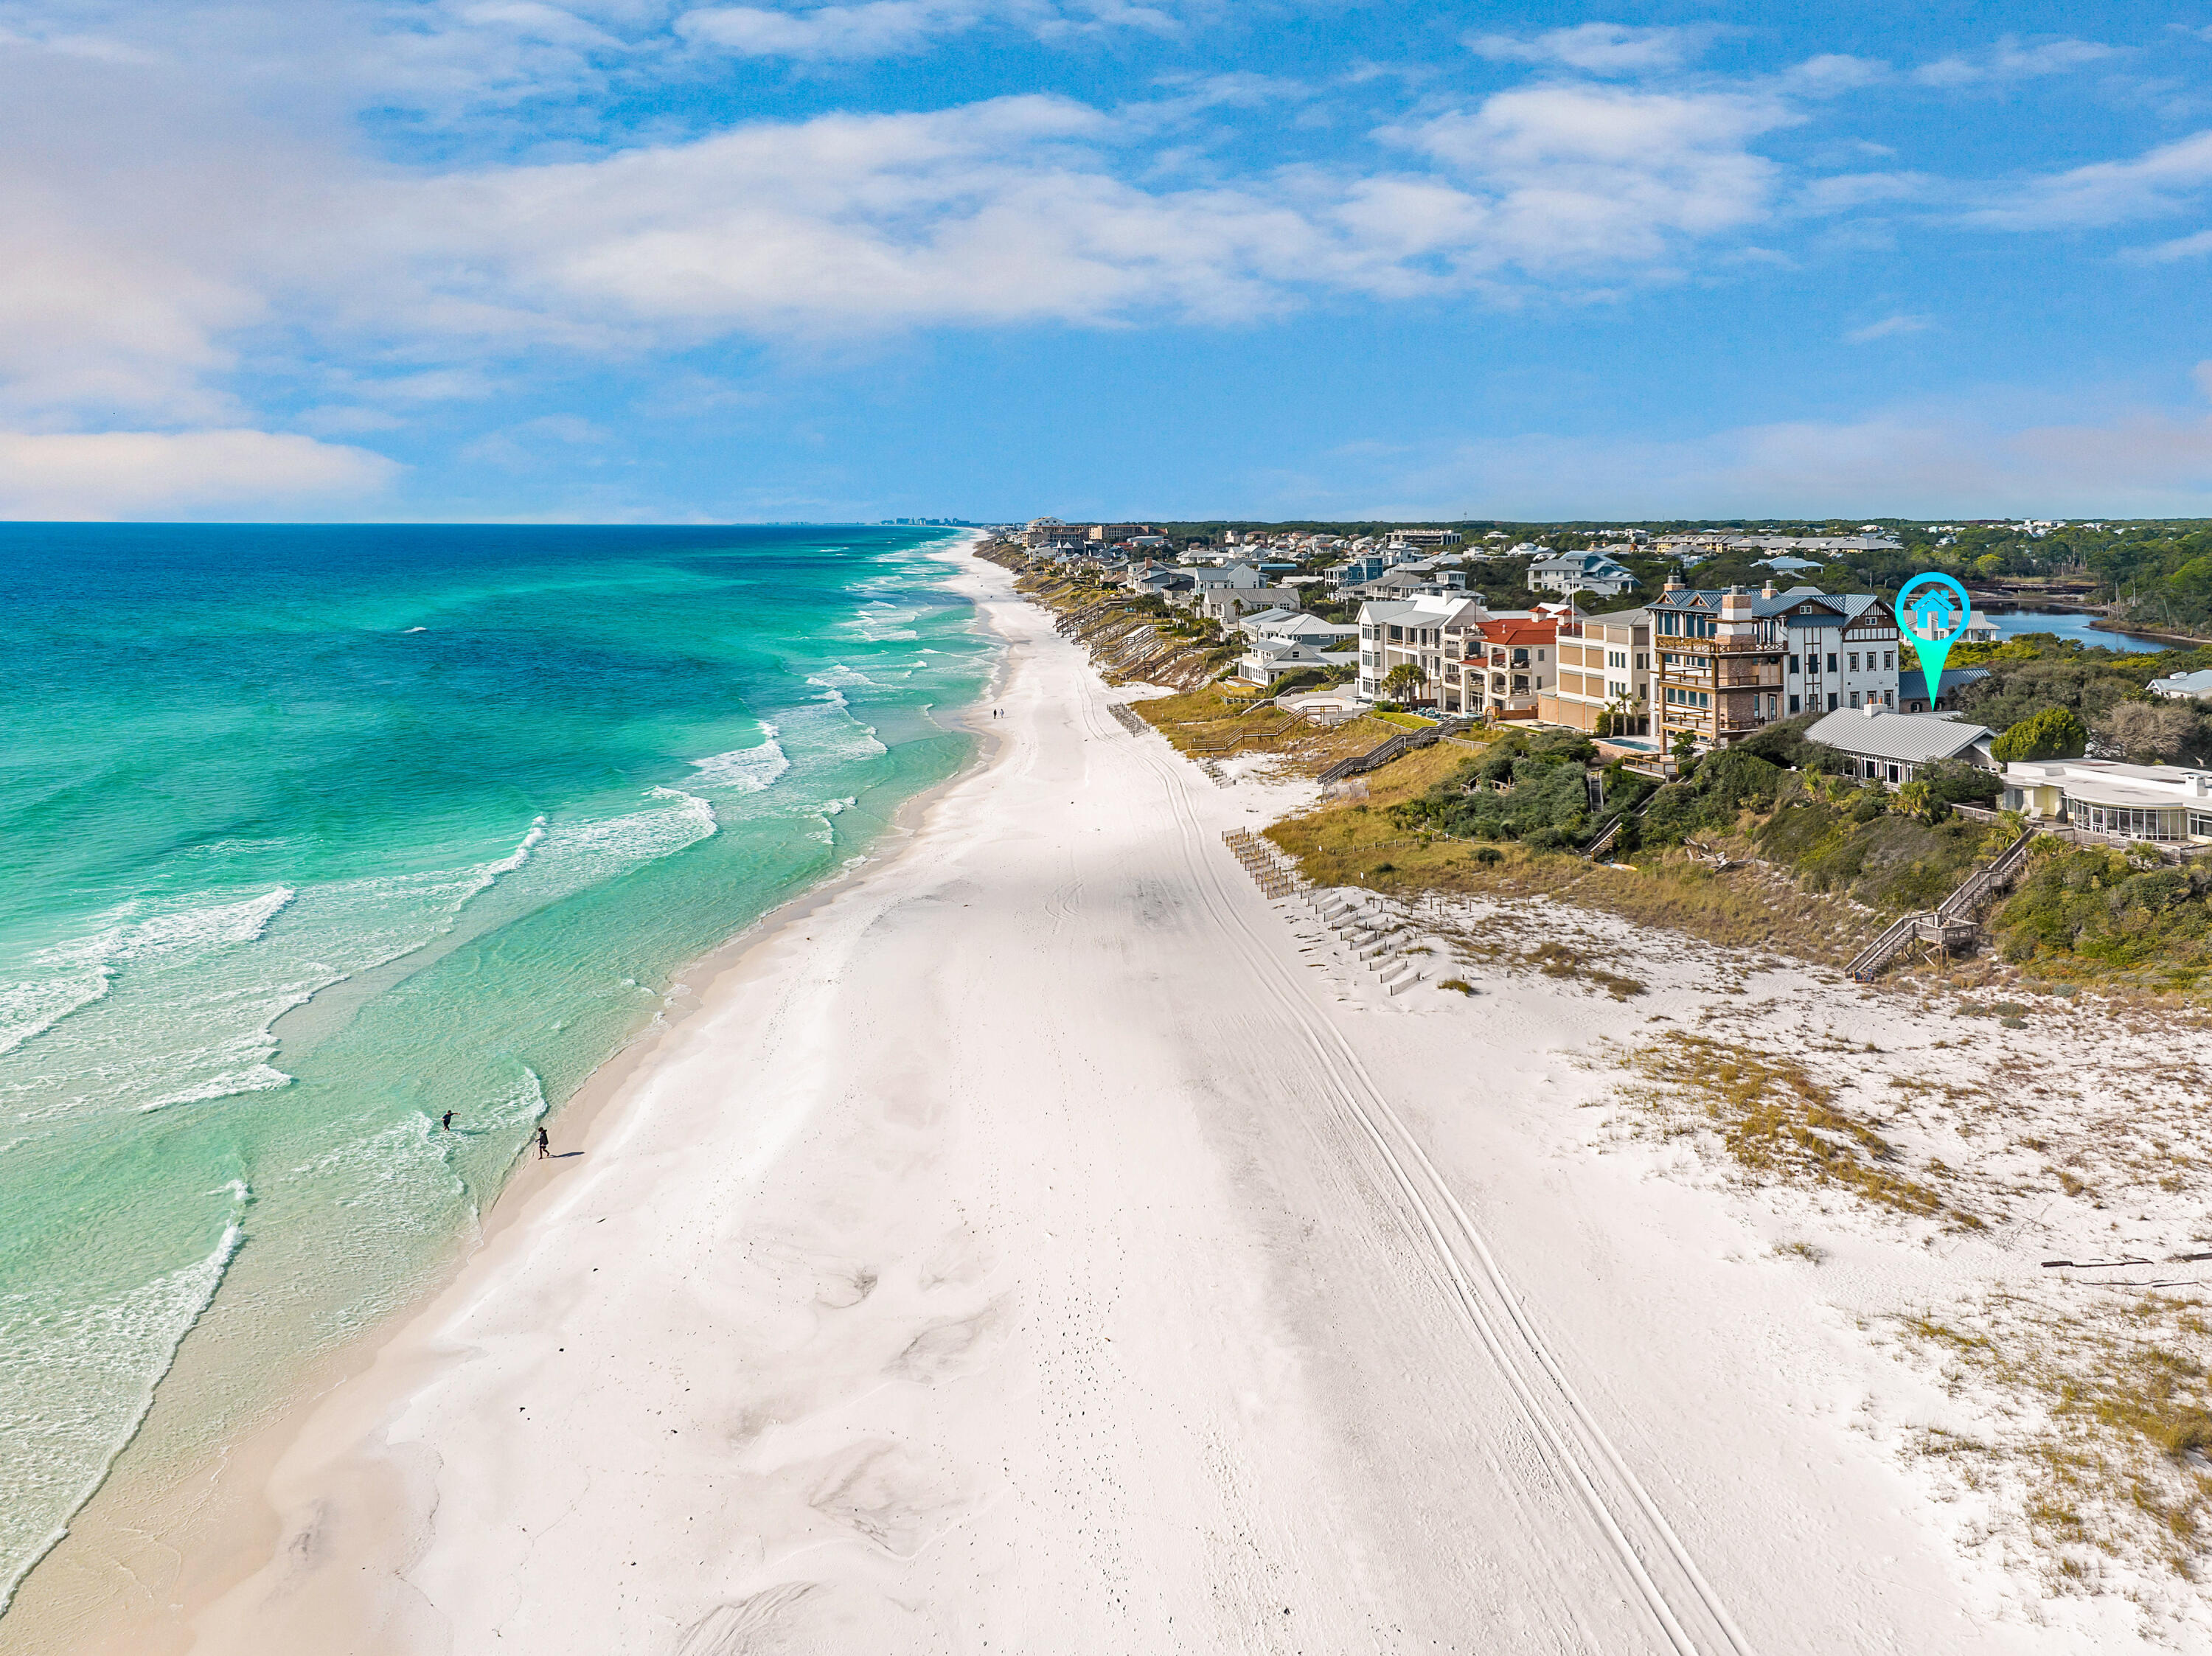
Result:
x=313 y=834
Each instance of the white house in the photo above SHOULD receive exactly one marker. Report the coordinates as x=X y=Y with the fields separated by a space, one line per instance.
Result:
x=1406 y=632
x=1271 y=659
x=2101 y=796
x=2183 y=686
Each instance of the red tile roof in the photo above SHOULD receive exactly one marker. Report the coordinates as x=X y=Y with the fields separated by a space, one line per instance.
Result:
x=1518 y=635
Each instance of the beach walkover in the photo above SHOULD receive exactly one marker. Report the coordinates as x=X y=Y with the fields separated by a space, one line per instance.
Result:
x=1030 y=1245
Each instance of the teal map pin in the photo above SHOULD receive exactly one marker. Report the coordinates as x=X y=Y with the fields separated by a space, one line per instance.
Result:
x=1933 y=610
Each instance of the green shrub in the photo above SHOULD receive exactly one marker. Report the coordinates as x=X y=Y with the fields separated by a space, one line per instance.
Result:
x=2053 y=733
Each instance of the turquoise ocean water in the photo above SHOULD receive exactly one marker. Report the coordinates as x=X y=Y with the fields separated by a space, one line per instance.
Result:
x=313 y=834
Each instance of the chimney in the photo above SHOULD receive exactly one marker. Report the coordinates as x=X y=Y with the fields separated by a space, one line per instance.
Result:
x=1871 y=708
x=1767 y=591
x=1735 y=604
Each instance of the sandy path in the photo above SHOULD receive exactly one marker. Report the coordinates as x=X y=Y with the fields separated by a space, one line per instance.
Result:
x=1032 y=1251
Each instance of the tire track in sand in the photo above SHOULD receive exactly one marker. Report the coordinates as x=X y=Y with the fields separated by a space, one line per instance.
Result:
x=1654 y=1562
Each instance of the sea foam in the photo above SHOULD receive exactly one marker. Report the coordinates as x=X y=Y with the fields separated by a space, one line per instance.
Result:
x=76 y=1382
x=751 y=769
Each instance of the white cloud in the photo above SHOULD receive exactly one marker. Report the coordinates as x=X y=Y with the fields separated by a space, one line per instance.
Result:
x=1598 y=48
x=2190 y=247
x=879 y=28
x=1842 y=192
x=1889 y=328
x=1583 y=174
x=1013 y=210
x=2159 y=181
x=888 y=28
x=145 y=474
x=2010 y=60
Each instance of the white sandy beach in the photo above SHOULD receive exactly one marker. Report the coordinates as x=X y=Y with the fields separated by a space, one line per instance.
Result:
x=1038 y=1247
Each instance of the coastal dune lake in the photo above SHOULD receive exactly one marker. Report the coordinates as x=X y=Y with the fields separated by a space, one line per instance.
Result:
x=314 y=835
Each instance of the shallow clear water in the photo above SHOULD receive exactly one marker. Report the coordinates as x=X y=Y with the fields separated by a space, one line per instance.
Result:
x=313 y=834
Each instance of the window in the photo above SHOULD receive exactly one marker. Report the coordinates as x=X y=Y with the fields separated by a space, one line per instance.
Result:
x=2134 y=824
x=1855 y=698
x=1889 y=661
x=1643 y=660
x=1831 y=668
x=1540 y=655
x=1893 y=773
x=1831 y=701
x=1855 y=667
x=1793 y=667
x=1889 y=698
x=1793 y=705
x=2200 y=823
x=1397 y=634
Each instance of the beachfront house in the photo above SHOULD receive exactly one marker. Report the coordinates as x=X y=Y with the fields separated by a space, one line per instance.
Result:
x=1303 y=627
x=1580 y=572
x=1604 y=666
x=1718 y=664
x=2103 y=798
x=1407 y=632
x=1893 y=748
x=1267 y=659
x=1504 y=665
x=1159 y=581
x=1836 y=650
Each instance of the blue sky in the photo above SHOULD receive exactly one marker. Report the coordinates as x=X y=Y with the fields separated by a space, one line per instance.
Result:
x=660 y=260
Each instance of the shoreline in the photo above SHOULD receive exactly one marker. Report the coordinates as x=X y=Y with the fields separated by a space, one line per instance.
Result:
x=222 y=1492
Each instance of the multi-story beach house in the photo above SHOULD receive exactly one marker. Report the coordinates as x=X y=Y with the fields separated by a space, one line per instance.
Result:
x=1717 y=664
x=1503 y=665
x=1604 y=666
x=1801 y=651
x=1844 y=650
x=1406 y=632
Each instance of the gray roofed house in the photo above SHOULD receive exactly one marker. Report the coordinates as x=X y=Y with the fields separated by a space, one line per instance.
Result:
x=1912 y=687
x=1892 y=747
x=1580 y=572
x=2183 y=687
x=1305 y=629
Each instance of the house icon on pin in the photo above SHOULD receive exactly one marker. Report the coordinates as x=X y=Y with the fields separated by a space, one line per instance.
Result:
x=1931 y=616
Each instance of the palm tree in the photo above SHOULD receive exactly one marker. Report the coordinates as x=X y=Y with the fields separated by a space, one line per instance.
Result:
x=1404 y=681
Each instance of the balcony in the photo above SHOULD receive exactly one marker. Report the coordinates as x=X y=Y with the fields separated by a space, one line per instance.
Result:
x=1760 y=678
x=1719 y=646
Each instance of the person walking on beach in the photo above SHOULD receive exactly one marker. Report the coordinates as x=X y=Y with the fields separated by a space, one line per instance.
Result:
x=447 y=1123
x=544 y=1149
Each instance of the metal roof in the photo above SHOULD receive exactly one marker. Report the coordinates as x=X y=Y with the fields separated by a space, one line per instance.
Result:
x=1908 y=739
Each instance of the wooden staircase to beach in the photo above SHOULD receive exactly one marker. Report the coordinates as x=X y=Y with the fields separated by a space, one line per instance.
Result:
x=1951 y=924
x=1397 y=748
